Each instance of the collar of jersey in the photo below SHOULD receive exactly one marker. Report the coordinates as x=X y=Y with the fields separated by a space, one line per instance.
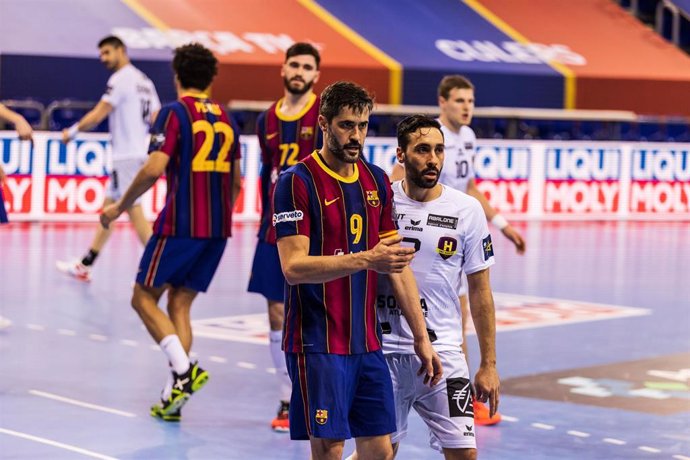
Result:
x=198 y=96
x=333 y=174
x=305 y=109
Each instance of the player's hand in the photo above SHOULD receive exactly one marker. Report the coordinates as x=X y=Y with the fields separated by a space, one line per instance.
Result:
x=65 y=136
x=515 y=237
x=389 y=257
x=109 y=214
x=24 y=130
x=431 y=366
x=486 y=387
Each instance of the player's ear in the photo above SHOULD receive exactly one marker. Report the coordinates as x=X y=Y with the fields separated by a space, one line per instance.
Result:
x=323 y=123
x=400 y=155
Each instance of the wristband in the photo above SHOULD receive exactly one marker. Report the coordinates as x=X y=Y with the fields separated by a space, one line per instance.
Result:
x=73 y=130
x=499 y=222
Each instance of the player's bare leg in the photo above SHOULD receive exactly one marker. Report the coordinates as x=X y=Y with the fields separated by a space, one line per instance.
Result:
x=179 y=308
x=326 y=449
x=275 y=319
x=140 y=224
x=374 y=448
x=460 y=454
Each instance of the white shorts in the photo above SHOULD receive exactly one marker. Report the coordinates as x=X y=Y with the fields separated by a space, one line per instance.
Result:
x=124 y=172
x=446 y=408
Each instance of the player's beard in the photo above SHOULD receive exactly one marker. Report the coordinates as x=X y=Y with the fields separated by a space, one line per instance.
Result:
x=339 y=150
x=417 y=176
x=297 y=91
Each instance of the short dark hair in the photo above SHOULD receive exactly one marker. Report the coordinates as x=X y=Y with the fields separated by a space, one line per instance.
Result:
x=411 y=124
x=300 y=48
x=113 y=41
x=343 y=94
x=450 y=82
x=195 y=66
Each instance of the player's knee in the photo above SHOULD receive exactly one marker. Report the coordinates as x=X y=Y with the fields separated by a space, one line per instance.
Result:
x=460 y=454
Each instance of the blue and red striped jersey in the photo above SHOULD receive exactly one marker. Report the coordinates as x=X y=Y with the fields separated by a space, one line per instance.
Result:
x=339 y=215
x=202 y=144
x=284 y=141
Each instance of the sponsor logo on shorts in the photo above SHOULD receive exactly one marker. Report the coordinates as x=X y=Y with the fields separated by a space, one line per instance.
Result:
x=435 y=220
x=321 y=416
x=459 y=397
x=469 y=431
x=290 y=216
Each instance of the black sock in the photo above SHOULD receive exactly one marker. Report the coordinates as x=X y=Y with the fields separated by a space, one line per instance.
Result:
x=89 y=258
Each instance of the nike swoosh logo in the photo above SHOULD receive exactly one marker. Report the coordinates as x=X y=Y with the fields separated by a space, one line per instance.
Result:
x=330 y=202
x=271 y=136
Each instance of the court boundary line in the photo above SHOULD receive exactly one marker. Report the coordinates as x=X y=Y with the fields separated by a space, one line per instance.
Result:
x=61 y=445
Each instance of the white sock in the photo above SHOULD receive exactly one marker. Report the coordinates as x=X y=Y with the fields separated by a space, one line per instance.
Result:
x=173 y=349
x=167 y=389
x=279 y=363
x=350 y=457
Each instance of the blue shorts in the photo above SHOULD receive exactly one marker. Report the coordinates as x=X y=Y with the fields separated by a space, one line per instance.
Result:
x=340 y=396
x=180 y=262
x=267 y=277
x=3 y=213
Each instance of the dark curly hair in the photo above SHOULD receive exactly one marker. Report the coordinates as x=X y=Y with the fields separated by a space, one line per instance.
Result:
x=195 y=66
x=344 y=94
x=411 y=124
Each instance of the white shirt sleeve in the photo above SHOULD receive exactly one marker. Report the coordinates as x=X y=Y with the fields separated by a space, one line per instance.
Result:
x=114 y=91
x=478 y=249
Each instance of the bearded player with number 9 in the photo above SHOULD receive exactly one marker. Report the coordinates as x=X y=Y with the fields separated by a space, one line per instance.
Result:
x=197 y=147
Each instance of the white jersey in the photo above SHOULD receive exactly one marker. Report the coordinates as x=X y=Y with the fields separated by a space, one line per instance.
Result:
x=134 y=99
x=458 y=164
x=450 y=234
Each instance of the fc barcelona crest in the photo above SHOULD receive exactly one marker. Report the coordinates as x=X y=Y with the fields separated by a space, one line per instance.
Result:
x=447 y=247
x=321 y=416
x=307 y=132
x=373 y=198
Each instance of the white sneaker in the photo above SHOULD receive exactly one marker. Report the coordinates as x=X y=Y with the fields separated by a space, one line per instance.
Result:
x=75 y=269
x=4 y=322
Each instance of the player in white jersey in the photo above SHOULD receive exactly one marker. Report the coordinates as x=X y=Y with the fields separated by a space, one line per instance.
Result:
x=130 y=102
x=456 y=104
x=449 y=231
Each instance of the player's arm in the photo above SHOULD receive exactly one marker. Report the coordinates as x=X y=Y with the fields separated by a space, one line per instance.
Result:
x=3 y=176
x=406 y=293
x=23 y=128
x=144 y=180
x=236 y=180
x=300 y=268
x=495 y=218
x=486 y=380
x=88 y=121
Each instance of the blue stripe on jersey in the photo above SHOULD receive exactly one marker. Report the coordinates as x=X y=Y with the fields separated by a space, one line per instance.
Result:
x=183 y=212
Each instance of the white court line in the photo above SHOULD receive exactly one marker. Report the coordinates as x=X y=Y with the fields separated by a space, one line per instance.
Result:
x=271 y=370
x=43 y=394
x=681 y=457
x=617 y=442
x=61 y=445
x=246 y=365
x=508 y=418
x=98 y=337
x=218 y=359
x=129 y=343
x=155 y=347
x=543 y=426
x=653 y=450
x=69 y=332
x=36 y=327
x=579 y=434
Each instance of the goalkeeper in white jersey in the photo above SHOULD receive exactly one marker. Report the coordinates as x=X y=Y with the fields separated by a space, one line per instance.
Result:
x=448 y=229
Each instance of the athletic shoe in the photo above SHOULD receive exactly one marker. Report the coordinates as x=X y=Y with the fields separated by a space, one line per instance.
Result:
x=75 y=269
x=157 y=412
x=4 y=322
x=282 y=421
x=183 y=387
x=481 y=414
